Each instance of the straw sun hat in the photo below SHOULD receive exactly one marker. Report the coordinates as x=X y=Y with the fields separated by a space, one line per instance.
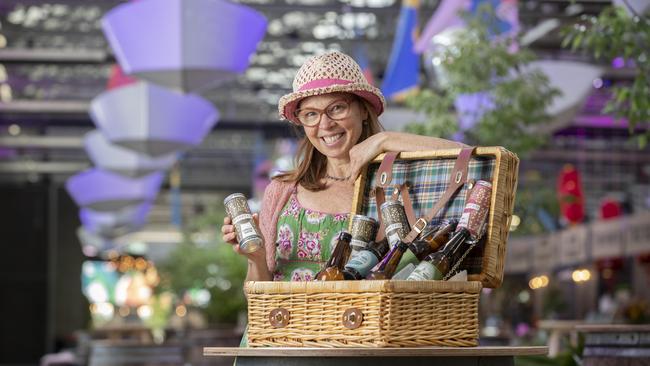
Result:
x=329 y=73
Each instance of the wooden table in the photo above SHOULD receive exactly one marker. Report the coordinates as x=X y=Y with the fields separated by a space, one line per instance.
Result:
x=420 y=356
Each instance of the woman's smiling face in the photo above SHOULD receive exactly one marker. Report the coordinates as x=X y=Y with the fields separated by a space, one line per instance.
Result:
x=334 y=138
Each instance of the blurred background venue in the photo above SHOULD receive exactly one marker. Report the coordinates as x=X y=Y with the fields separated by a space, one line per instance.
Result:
x=564 y=84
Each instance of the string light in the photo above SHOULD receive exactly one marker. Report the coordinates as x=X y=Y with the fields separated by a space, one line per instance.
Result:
x=538 y=282
x=181 y=310
x=581 y=275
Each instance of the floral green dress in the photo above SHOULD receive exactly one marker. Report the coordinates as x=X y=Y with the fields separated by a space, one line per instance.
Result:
x=304 y=243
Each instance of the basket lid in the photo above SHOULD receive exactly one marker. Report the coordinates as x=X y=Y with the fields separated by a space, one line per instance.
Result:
x=427 y=174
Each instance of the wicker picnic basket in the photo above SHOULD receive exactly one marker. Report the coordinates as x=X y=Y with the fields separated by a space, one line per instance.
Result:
x=396 y=313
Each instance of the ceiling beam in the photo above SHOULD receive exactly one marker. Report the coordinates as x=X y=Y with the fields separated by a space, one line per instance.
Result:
x=53 y=55
x=45 y=106
x=47 y=142
x=42 y=167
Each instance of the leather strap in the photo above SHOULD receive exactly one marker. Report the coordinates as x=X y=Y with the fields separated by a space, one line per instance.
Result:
x=457 y=179
x=385 y=171
x=379 y=200
x=408 y=205
x=382 y=180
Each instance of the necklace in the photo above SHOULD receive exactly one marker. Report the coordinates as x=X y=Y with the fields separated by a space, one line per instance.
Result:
x=339 y=179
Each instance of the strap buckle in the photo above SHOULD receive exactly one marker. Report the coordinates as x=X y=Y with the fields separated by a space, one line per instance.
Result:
x=420 y=225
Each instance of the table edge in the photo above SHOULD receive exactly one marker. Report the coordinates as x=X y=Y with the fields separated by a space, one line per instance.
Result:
x=370 y=352
x=613 y=328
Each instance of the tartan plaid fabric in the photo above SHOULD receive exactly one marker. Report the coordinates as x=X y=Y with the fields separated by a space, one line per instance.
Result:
x=428 y=180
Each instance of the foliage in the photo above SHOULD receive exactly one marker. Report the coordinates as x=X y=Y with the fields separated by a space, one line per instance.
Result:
x=553 y=302
x=536 y=202
x=478 y=63
x=204 y=261
x=161 y=308
x=570 y=356
x=612 y=34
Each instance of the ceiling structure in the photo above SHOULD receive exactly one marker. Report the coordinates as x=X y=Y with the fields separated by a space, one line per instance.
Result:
x=54 y=60
x=54 y=51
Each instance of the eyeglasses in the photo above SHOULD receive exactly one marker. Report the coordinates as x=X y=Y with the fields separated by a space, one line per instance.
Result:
x=337 y=110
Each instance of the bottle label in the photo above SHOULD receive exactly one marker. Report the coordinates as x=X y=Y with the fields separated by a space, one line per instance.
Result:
x=362 y=262
x=425 y=271
x=358 y=244
x=393 y=239
x=407 y=257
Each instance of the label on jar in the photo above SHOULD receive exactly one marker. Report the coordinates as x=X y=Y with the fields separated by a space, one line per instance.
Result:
x=247 y=229
x=241 y=218
x=395 y=226
x=425 y=271
x=464 y=220
x=476 y=210
x=362 y=261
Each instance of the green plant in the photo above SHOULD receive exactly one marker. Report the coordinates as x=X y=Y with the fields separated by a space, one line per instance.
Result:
x=553 y=302
x=205 y=261
x=476 y=63
x=610 y=35
x=534 y=203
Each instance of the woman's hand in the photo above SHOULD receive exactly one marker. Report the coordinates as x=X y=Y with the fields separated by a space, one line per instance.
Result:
x=363 y=152
x=230 y=237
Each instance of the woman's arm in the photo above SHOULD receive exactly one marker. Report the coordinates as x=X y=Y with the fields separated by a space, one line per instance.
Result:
x=258 y=269
x=365 y=151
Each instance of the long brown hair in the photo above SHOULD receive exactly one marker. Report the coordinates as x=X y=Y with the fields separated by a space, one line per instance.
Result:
x=311 y=164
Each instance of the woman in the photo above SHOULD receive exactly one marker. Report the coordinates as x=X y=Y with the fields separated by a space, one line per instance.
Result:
x=304 y=210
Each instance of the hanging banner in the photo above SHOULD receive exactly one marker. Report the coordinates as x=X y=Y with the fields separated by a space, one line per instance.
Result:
x=608 y=238
x=573 y=245
x=544 y=252
x=638 y=234
x=519 y=254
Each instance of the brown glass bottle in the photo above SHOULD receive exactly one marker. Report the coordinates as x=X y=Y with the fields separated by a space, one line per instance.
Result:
x=436 y=265
x=388 y=266
x=362 y=261
x=433 y=239
x=334 y=268
x=469 y=230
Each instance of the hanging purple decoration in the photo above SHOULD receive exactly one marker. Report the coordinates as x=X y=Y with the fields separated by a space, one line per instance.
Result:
x=186 y=45
x=121 y=160
x=151 y=119
x=93 y=245
x=471 y=108
x=102 y=190
x=115 y=223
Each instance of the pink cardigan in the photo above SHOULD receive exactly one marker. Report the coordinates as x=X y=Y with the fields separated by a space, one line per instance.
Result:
x=276 y=196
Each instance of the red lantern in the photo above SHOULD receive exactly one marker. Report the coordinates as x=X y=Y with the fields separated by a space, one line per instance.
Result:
x=569 y=189
x=610 y=209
